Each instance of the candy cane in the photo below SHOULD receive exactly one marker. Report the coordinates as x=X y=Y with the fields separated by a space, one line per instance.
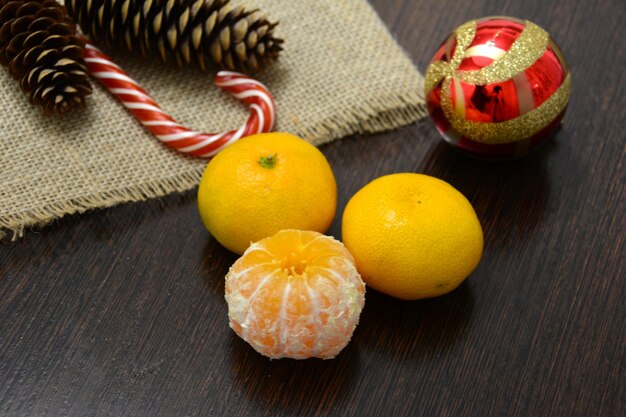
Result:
x=164 y=127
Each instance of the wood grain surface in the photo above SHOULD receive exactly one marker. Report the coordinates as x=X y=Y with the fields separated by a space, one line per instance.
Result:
x=121 y=312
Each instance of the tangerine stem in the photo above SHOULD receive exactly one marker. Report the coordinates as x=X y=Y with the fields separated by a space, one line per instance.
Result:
x=268 y=161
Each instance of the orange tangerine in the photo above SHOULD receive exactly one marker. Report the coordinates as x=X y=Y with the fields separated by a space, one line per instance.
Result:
x=265 y=183
x=413 y=236
x=296 y=294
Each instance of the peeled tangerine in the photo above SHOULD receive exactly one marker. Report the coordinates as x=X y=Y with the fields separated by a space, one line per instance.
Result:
x=296 y=295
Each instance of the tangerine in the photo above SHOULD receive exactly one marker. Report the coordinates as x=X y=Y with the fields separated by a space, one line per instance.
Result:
x=265 y=183
x=296 y=294
x=412 y=235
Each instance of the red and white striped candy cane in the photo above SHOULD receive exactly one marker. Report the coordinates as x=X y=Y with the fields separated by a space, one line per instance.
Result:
x=164 y=127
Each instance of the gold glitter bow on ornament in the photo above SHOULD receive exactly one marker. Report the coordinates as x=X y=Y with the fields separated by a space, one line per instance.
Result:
x=523 y=53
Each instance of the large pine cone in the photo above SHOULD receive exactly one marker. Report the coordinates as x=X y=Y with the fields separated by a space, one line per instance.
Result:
x=39 y=46
x=183 y=31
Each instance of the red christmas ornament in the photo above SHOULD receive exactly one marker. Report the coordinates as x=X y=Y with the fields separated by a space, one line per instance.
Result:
x=497 y=87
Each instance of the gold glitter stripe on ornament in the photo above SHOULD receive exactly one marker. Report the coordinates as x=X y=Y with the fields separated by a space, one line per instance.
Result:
x=436 y=72
x=513 y=130
x=524 y=52
x=465 y=34
x=439 y=70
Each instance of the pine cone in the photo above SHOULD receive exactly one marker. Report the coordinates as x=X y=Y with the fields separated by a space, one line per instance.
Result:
x=183 y=31
x=38 y=45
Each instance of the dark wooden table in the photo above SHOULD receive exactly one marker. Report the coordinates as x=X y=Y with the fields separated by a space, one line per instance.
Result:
x=121 y=312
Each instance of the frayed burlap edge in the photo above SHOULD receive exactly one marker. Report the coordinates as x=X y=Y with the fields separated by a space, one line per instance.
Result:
x=381 y=114
x=18 y=223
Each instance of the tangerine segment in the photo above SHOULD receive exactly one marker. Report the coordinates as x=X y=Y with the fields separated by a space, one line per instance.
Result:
x=296 y=294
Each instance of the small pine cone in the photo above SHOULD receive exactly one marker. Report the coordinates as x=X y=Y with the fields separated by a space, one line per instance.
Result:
x=183 y=31
x=39 y=46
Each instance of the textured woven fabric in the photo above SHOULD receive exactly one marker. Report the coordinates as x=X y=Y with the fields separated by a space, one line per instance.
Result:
x=340 y=73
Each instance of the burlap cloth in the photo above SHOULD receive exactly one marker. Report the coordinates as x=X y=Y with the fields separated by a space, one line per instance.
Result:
x=340 y=73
